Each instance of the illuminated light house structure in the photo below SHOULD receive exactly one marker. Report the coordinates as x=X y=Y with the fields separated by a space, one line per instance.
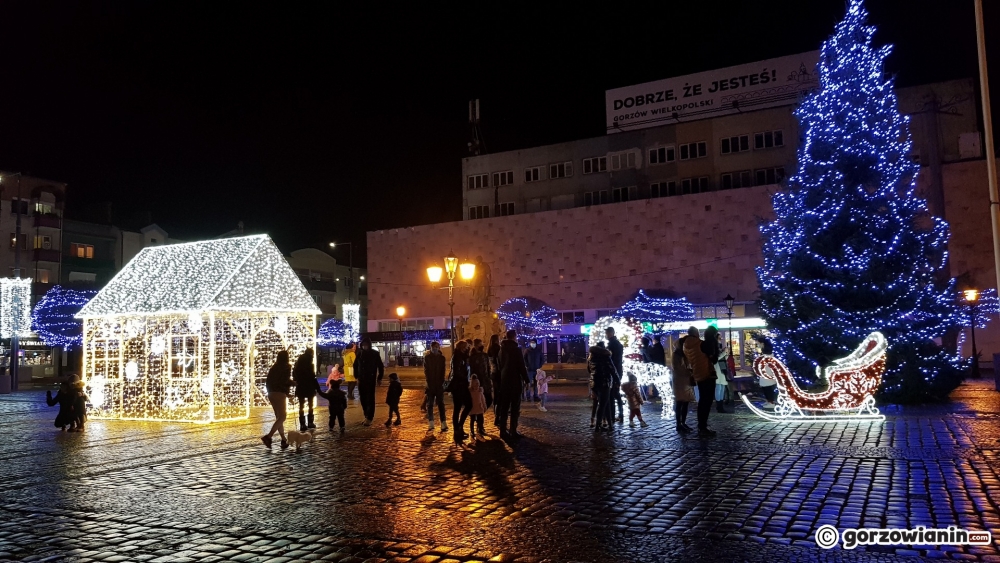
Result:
x=187 y=332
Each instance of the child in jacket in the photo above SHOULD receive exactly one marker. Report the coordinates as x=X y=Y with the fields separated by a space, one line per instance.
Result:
x=542 y=380
x=478 y=409
x=392 y=398
x=338 y=404
x=631 y=390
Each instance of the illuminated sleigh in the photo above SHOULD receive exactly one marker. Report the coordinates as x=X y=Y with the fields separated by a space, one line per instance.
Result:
x=853 y=382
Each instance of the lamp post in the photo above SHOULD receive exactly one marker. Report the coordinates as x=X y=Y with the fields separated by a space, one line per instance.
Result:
x=467 y=271
x=729 y=312
x=972 y=298
x=350 y=269
x=400 y=312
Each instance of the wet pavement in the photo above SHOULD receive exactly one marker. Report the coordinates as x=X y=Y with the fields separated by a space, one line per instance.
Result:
x=128 y=491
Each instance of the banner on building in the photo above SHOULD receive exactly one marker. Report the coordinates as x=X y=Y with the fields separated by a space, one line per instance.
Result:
x=764 y=84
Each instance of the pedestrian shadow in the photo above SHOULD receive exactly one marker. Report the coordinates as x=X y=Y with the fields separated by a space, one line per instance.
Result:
x=490 y=462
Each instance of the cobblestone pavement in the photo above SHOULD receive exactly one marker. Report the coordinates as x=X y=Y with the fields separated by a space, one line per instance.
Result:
x=127 y=491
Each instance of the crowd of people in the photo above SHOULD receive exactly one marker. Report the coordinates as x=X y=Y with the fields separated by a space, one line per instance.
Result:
x=480 y=378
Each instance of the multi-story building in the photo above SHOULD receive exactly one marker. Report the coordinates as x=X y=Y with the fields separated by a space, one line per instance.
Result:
x=670 y=203
x=329 y=282
x=40 y=203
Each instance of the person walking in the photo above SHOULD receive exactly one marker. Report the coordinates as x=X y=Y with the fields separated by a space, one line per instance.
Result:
x=634 y=397
x=392 y=399
x=603 y=369
x=279 y=385
x=704 y=376
x=617 y=358
x=493 y=351
x=478 y=401
x=305 y=388
x=479 y=366
x=681 y=382
x=434 y=377
x=533 y=361
x=721 y=367
x=338 y=404
x=350 y=355
x=513 y=379
x=458 y=386
x=368 y=370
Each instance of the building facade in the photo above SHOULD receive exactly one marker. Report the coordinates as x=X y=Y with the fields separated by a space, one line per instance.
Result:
x=39 y=202
x=329 y=283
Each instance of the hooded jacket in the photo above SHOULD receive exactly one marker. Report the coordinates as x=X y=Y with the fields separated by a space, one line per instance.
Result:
x=434 y=371
x=337 y=399
x=701 y=368
x=394 y=393
x=601 y=367
x=349 y=358
x=305 y=377
x=459 y=386
x=680 y=378
x=368 y=366
x=513 y=372
x=478 y=398
x=533 y=359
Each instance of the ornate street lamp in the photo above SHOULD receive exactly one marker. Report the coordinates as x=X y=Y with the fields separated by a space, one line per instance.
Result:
x=400 y=313
x=729 y=312
x=451 y=266
x=972 y=298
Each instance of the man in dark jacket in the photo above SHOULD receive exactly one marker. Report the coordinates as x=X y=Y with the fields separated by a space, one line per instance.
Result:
x=603 y=372
x=657 y=353
x=617 y=357
x=533 y=360
x=369 y=370
x=513 y=379
x=434 y=375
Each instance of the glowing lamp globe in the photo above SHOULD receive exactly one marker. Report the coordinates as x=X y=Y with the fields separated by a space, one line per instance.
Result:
x=434 y=273
x=971 y=295
x=400 y=311
x=468 y=271
x=451 y=263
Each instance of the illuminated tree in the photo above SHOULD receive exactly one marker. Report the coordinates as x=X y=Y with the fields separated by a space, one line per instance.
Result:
x=335 y=332
x=54 y=317
x=530 y=317
x=853 y=249
x=647 y=309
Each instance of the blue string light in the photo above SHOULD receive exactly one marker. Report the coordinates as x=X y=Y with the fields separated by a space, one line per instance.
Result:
x=53 y=318
x=334 y=332
x=530 y=317
x=853 y=250
x=647 y=309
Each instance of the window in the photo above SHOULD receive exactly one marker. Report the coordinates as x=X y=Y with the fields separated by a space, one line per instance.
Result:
x=572 y=317
x=479 y=212
x=736 y=144
x=661 y=155
x=768 y=139
x=623 y=194
x=596 y=197
x=503 y=178
x=42 y=207
x=24 y=241
x=43 y=242
x=86 y=277
x=506 y=208
x=694 y=185
x=42 y=275
x=601 y=313
x=478 y=181
x=663 y=189
x=78 y=250
x=694 y=150
x=766 y=176
x=533 y=174
x=15 y=204
x=732 y=180
x=561 y=170
x=623 y=160
x=596 y=164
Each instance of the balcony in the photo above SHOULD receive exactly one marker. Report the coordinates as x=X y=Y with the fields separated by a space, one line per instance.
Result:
x=49 y=220
x=45 y=255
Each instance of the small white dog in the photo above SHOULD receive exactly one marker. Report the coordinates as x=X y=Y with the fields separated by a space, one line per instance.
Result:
x=299 y=438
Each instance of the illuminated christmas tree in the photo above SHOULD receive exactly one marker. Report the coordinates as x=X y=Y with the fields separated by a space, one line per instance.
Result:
x=853 y=249
x=54 y=317
x=530 y=317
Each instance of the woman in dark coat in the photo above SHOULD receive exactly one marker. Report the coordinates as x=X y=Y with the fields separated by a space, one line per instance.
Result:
x=459 y=389
x=66 y=399
x=494 y=353
x=305 y=387
x=279 y=385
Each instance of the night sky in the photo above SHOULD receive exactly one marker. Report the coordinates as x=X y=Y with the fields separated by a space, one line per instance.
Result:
x=317 y=123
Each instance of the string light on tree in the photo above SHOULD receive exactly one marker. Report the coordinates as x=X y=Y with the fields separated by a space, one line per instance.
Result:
x=352 y=317
x=853 y=250
x=187 y=332
x=647 y=309
x=530 y=317
x=334 y=332
x=15 y=307
x=54 y=317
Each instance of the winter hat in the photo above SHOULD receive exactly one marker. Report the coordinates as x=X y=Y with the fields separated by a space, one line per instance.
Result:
x=393 y=376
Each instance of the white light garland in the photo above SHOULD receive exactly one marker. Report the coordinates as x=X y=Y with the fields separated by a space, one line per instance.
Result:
x=15 y=307
x=188 y=332
x=352 y=316
x=629 y=332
